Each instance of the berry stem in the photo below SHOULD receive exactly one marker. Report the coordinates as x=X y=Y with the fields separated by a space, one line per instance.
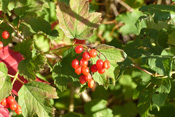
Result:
x=102 y=54
x=14 y=29
x=78 y=56
x=1 y=28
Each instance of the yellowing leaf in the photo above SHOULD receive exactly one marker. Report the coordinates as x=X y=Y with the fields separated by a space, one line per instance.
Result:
x=75 y=19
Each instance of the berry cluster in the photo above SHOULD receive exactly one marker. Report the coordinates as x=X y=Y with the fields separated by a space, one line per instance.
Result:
x=11 y=103
x=5 y=35
x=82 y=65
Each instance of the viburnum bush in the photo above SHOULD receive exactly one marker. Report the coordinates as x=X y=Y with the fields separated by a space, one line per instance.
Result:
x=91 y=58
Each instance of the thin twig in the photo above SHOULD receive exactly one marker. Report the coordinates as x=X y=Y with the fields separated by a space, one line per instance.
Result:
x=71 y=106
x=136 y=66
x=15 y=30
x=110 y=22
x=52 y=56
x=117 y=26
x=116 y=13
x=11 y=75
x=124 y=4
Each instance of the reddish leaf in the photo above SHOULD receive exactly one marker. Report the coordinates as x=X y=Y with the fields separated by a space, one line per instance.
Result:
x=3 y=111
x=12 y=59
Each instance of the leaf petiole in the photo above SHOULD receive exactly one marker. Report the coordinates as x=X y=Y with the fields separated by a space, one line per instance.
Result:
x=15 y=77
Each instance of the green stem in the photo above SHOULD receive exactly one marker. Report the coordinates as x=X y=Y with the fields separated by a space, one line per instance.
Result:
x=20 y=80
x=10 y=75
x=15 y=77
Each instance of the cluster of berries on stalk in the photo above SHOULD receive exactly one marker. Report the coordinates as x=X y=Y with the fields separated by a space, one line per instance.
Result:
x=82 y=65
x=11 y=103
x=5 y=35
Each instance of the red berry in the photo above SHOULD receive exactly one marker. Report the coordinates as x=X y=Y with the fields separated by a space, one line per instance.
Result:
x=86 y=56
x=106 y=64
x=13 y=106
x=83 y=62
x=82 y=79
x=18 y=110
x=4 y=102
x=5 y=34
x=99 y=64
x=93 y=53
x=7 y=106
x=85 y=70
x=1 y=45
x=94 y=68
x=75 y=63
x=88 y=77
x=91 y=83
x=78 y=70
x=101 y=71
x=11 y=100
x=79 y=49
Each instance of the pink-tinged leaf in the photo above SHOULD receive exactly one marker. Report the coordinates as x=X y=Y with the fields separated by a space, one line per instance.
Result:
x=3 y=111
x=75 y=19
x=12 y=59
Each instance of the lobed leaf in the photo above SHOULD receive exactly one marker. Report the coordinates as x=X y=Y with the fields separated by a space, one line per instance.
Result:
x=5 y=83
x=34 y=99
x=29 y=66
x=75 y=19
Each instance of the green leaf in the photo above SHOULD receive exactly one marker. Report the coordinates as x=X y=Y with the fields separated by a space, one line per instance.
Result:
x=171 y=39
x=160 y=64
x=75 y=19
x=38 y=24
x=163 y=85
x=97 y=108
x=5 y=82
x=114 y=55
x=29 y=66
x=159 y=12
x=4 y=4
x=147 y=43
x=127 y=110
x=34 y=99
x=129 y=26
x=41 y=43
x=144 y=103
x=167 y=110
x=159 y=100
x=63 y=73
x=171 y=95
x=24 y=48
